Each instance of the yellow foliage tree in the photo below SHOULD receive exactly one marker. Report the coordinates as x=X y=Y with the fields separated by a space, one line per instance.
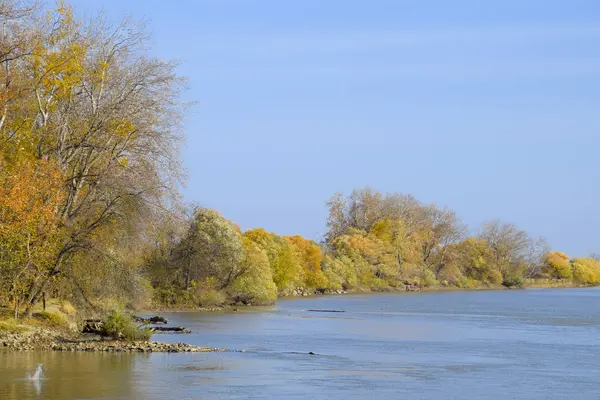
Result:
x=255 y=285
x=586 y=271
x=282 y=257
x=310 y=256
x=556 y=264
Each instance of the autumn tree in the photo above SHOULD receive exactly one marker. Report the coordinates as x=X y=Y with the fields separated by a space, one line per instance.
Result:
x=557 y=265
x=30 y=191
x=514 y=252
x=310 y=257
x=85 y=99
x=586 y=270
x=283 y=259
x=255 y=285
x=212 y=248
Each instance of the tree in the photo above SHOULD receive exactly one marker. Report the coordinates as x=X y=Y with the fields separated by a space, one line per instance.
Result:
x=283 y=260
x=476 y=260
x=85 y=99
x=509 y=246
x=310 y=257
x=212 y=248
x=557 y=265
x=30 y=191
x=534 y=257
x=586 y=270
x=255 y=285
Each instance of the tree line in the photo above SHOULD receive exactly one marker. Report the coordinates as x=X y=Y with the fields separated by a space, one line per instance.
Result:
x=374 y=242
x=90 y=166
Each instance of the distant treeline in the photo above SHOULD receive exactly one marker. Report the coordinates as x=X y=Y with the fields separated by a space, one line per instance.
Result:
x=375 y=242
x=90 y=210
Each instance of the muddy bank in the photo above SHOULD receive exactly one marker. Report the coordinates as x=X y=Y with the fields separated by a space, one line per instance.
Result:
x=43 y=339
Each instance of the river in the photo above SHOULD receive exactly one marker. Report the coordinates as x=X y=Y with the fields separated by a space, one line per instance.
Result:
x=526 y=344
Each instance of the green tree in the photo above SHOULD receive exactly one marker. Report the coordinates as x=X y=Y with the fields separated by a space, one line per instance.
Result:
x=255 y=285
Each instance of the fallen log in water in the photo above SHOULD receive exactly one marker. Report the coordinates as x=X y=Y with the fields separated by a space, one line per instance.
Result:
x=331 y=311
x=152 y=320
x=169 y=329
x=96 y=326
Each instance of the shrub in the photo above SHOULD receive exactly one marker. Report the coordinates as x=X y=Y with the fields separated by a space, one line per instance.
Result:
x=11 y=325
x=210 y=298
x=67 y=308
x=467 y=283
x=514 y=281
x=53 y=319
x=121 y=326
x=428 y=278
x=494 y=277
x=582 y=274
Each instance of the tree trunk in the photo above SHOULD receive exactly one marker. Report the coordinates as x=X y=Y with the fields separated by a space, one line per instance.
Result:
x=36 y=289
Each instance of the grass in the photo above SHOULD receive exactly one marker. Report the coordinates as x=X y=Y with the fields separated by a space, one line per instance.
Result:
x=11 y=325
x=54 y=320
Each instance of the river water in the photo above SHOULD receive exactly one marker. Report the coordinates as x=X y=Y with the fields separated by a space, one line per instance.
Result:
x=529 y=344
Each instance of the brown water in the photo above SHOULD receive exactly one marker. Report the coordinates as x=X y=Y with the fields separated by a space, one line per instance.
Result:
x=532 y=344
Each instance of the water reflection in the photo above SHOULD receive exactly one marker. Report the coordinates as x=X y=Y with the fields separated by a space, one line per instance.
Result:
x=66 y=375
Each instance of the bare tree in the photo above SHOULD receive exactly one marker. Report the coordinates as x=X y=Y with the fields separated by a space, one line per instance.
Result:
x=509 y=244
x=534 y=257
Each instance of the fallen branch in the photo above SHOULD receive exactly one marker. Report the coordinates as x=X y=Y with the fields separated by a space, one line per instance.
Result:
x=170 y=329
x=93 y=326
x=330 y=311
x=152 y=320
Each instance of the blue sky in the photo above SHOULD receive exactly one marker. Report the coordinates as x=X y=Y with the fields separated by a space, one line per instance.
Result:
x=490 y=108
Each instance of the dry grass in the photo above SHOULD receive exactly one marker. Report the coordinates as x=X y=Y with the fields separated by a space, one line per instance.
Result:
x=11 y=325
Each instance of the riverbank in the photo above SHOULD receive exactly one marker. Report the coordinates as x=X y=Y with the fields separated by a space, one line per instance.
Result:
x=47 y=339
x=31 y=337
x=405 y=289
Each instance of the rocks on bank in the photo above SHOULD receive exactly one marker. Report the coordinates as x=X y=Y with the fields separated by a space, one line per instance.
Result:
x=41 y=339
x=132 y=347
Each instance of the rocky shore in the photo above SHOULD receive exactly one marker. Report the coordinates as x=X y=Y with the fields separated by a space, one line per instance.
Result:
x=42 y=339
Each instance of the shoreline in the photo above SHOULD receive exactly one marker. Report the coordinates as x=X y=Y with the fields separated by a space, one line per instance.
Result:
x=31 y=338
x=388 y=290
x=51 y=340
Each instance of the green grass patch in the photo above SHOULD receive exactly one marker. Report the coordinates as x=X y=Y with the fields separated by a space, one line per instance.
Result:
x=11 y=325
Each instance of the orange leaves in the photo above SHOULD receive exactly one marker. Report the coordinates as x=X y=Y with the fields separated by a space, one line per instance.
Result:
x=30 y=192
x=309 y=251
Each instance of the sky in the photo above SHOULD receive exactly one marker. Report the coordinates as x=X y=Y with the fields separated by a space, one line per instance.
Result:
x=490 y=108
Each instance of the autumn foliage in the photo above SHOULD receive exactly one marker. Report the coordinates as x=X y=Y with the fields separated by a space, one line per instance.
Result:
x=90 y=169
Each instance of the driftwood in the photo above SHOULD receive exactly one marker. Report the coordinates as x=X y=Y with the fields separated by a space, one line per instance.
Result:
x=337 y=311
x=169 y=329
x=152 y=320
x=93 y=326
x=411 y=287
x=96 y=326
